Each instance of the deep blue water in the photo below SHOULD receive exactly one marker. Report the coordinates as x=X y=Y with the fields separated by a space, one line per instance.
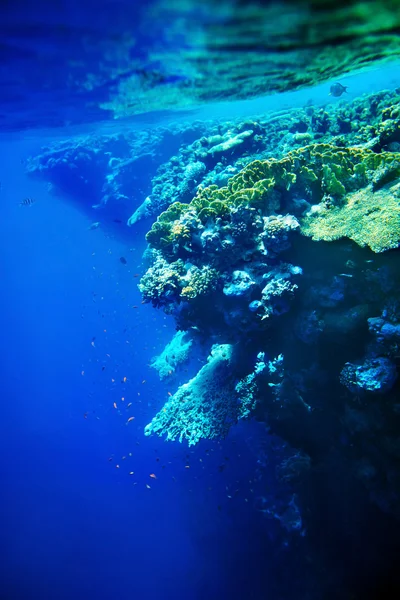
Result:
x=73 y=523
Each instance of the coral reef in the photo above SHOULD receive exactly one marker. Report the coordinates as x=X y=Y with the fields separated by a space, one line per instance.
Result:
x=138 y=174
x=370 y=218
x=375 y=375
x=321 y=175
x=277 y=236
x=176 y=353
x=205 y=407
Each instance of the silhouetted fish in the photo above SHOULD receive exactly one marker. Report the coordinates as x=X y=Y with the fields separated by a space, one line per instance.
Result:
x=117 y=221
x=27 y=202
x=123 y=260
x=337 y=89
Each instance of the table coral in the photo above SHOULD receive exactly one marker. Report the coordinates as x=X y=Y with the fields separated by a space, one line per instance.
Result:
x=204 y=407
x=368 y=218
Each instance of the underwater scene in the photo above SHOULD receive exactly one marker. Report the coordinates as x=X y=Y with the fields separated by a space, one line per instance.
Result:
x=200 y=284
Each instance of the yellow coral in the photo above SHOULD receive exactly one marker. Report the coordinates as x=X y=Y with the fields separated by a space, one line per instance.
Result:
x=188 y=292
x=368 y=218
x=179 y=230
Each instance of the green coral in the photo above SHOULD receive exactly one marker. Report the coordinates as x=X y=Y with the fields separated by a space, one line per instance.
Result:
x=199 y=282
x=165 y=231
x=368 y=218
x=316 y=172
x=161 y=283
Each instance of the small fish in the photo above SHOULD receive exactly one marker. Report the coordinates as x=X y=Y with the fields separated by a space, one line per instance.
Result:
x=129 y=420
x=27 y=202
x=117 y=220
x=337 y=89
x=123 y=260
x=94 y=225
x=153 y=476
x=115 y=405
x=148 y=487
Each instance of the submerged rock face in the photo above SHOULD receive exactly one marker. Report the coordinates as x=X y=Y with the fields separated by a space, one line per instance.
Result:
x=283 y=246
x=290 y=260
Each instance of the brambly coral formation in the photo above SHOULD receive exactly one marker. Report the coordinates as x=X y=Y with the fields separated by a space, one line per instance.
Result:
x=281 y=247
x=137 y=174
x=283 y=241
x=342 y=186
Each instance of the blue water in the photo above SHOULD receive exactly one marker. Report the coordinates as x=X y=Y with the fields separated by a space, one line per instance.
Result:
x=73 y=524
x=90 y=507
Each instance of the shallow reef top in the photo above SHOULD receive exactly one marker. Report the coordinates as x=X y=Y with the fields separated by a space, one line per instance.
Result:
x=68 y=64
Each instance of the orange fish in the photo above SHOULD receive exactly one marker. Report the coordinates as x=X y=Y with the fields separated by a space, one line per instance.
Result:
x=153 y=476
x=129 y=420
x=115 y=405
x=124 y=380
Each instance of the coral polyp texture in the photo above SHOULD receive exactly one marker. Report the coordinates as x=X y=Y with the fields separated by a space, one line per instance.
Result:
x=343 y=186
